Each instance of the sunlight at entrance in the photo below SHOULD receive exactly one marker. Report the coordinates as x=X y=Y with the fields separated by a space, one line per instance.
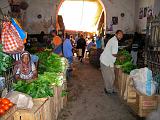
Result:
x=79 y=15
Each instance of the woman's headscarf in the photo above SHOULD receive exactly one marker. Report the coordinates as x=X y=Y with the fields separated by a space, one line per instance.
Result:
x=25 y=68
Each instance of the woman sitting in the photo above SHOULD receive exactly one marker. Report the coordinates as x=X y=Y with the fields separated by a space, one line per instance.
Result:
x=25 y=68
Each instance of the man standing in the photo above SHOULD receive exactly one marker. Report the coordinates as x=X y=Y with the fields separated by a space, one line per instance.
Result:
x=57 y=43
x=98 y=42
x=107 y=60
x=67 y=50
x=81 y=46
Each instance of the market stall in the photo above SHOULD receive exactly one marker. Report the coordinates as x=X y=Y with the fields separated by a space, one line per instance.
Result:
x=136 y=86
x=38 y=95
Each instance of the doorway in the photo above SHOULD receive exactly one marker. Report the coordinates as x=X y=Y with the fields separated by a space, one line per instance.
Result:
x=82 y=15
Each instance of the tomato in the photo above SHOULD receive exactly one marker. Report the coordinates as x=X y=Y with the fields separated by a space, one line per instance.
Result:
x=0 y=99
x=1 y=105
x=5 y=101
x=5 y=107
x=10 y=104
x=2 y=111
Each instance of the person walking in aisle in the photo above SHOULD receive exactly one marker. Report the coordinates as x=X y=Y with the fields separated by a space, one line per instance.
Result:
x=81 y=46
x=107 y=60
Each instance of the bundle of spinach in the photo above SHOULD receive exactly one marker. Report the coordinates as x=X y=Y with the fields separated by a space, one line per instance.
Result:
x=128 y=67
x=52 y=77
x=54 y=64
x=36 y=89
x=123 y=57
x=41 y=68
x=43 y=56
x=6 y=61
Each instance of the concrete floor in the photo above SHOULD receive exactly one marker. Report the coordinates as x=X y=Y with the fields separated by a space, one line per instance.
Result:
x=87 y=100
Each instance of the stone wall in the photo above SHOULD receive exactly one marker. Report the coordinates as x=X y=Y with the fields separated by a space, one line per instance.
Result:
x=47 y=9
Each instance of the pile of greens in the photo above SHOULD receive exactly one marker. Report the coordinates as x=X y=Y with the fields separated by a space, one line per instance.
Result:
x=52 y=78
x=5 y=61
x=43 y=56
x=54 y=64
x=128 y=67
x=124 y=59
x=50 y=62
x=36 y=89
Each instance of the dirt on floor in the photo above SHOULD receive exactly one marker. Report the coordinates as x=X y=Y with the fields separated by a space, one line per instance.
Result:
x=87 y=100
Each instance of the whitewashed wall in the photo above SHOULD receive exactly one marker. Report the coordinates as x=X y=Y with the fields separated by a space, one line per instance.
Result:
x=141 y=23
x=44 y=7
x=47 y=8
x=4 y=5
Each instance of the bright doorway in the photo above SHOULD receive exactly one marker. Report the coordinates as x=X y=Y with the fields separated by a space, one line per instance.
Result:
x=82 y=15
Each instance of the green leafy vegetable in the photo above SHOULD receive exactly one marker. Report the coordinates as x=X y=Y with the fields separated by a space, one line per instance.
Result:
x=123 y=56
x=6 y=61
x=36 y=89
x=128 y=67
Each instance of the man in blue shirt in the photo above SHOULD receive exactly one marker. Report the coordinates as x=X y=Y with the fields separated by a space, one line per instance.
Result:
x=98 y=42
x=67 y=50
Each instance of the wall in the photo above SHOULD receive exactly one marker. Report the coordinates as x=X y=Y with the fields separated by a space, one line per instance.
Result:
x=47 y=8
x=4 y=5
x=141 y=23
x=115 y=8
x=156 y=7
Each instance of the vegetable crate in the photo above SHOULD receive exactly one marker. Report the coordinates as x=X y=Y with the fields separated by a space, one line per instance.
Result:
x=9 y=115
x=122 y=79
x=39 y=111
x=141 y=104
x=59 y=100
x=117 y=70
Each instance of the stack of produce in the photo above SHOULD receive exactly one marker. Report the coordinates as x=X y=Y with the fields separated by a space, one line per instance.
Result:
x=51 y=67
x=124 y=59
x=5 y=105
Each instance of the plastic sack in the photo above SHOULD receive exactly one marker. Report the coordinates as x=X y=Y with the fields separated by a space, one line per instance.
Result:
x=21 y=32
x=22 y=100
x=11 y=40
x=143 y=74
x=143 y=81
x=145 y=88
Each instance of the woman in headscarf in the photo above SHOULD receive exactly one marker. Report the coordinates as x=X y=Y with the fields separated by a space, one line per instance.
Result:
x=26 y=69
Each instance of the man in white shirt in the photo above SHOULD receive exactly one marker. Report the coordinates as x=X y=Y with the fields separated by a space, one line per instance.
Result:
x=107 y=60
